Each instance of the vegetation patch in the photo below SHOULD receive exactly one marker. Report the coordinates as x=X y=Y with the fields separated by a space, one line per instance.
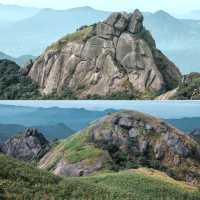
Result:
x=66 y=94
x=126 y=95
x=19 y=180
x=74 y=149
x=13 y=85
x=78 y=36
x=189 y=89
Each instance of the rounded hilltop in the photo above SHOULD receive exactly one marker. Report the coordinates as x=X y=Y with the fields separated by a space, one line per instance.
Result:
x=122 y=141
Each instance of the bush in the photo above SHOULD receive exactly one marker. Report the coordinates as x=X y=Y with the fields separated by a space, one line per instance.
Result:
x=19 y=180
x=189 y=89
x=13 y=85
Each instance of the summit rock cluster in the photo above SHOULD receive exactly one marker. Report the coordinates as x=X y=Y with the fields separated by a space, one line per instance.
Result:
x=113 y=56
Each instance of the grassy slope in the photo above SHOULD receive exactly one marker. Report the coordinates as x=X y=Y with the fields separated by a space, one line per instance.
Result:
x=74 y=149
x=76 y=36
x=22 y=181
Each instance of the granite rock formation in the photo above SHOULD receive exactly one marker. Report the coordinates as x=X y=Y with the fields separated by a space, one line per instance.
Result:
x=29 y=146
x=117 y=55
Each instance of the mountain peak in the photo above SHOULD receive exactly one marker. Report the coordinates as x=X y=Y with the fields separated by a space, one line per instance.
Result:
x=162 y=13
x=118 y=56
x=125 y=140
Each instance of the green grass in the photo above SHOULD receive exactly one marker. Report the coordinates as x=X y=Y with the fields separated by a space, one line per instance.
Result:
x=19 y=180
x=76 y=36
x=77 y=149
x=74 y=149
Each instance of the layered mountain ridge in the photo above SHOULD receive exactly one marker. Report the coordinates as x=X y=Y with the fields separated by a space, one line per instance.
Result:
x=117 y=55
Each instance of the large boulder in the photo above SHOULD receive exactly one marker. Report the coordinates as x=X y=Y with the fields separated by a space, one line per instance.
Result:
x=29 y=146
x=113 y=56
x=136 y=22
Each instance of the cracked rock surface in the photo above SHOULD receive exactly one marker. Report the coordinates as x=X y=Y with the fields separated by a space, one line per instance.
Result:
x=113 y=56
x=29 y=146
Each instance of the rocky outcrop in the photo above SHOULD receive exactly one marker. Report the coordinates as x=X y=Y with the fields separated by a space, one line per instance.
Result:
x=116 y=55
x=168 y=95
x=29 y=146
x=26 y=69
x=195 y=134
x=81 y=168
x=125 y=140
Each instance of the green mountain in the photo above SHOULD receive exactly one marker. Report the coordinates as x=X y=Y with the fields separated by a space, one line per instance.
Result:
x=186 y=124
x=8 y=130
x=122 y=141
x=74 y=118
x=22 y=60
x=77 y=119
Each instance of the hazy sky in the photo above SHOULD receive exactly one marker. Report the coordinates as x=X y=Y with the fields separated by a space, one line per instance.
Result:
x=173 y=6
x=164 y=109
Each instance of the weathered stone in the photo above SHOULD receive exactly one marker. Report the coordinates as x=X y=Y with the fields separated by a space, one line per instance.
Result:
x=176 y=145
x=143 y=145
x=125 y=122
x=136 y=22
x=29 y=146
x=118 y=20
x=105 y=31
x=64 y=168
x=25 y=69
x=159 y=151
x=133 y=132
x=114 y=56
x=113 y=18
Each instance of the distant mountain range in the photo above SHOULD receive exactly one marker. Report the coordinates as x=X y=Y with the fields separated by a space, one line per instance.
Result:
x=22 y=60
x=32 y=35
x=177 y=38
x=186 y=124
x=74 y=118
x=60 y=122
x=51 y=132
x=11 y=13
x=36 y=29
x=194 y=14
